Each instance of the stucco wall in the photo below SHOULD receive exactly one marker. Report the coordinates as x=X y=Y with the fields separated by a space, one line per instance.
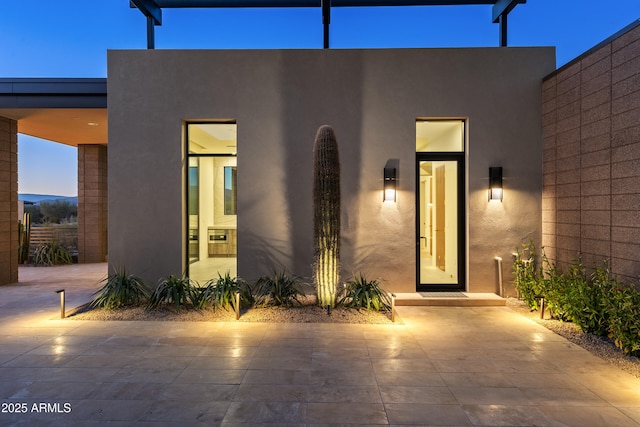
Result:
x=279 y=99
x=591 y=152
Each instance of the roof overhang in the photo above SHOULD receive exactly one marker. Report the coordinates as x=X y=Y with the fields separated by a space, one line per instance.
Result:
x=68 y=111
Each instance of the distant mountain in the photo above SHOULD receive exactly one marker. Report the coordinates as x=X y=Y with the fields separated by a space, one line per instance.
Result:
x=39 y=198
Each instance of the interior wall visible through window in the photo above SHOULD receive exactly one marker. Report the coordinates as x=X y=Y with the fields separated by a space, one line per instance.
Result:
x=211 y=200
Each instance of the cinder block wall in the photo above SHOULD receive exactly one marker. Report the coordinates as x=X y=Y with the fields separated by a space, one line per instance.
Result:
x=8 y=201
x=591 y=168
x=92 y=203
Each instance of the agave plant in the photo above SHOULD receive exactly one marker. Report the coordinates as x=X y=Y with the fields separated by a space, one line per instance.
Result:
x=179 y=291
x=221 y=292
x=49 y=254
x=120 y=289
x=360 y=292
x=278 y=289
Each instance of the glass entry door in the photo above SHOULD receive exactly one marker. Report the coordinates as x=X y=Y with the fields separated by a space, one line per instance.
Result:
x=440 y=228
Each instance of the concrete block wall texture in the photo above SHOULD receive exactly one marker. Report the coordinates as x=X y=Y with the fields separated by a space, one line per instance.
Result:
x=591 y=172
x=92 y=203
x=8 y=201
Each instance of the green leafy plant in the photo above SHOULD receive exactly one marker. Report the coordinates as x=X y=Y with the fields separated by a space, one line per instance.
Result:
x=556 y=287
x=623 y=310
x=119 y=290
x=526 y=277
x=278 y=289
x=587 y=298
x=360 y=292
x=179 y=291
x=49 y=254
x=596 y=302
x=221 y=293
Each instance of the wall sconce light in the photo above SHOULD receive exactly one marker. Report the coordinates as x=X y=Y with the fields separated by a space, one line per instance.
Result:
x=390 y=182
x=495 y=183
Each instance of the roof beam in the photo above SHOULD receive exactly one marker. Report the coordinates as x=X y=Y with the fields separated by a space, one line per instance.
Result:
x=309 y=3
x=500 y=14
x=150 y=9
x=503 y=7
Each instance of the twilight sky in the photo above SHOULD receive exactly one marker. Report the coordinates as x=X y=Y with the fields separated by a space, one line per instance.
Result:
x=70 y=38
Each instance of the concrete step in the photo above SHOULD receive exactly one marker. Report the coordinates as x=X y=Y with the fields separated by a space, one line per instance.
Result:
x=450 y=299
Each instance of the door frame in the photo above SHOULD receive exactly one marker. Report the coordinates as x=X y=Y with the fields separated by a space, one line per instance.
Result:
x=460 y=158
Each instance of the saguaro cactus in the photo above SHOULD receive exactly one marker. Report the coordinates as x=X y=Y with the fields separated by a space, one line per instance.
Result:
x=24 y=238
x=326 y=216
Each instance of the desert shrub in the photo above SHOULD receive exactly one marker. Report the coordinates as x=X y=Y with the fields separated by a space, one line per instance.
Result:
x=526 y=280
x=596 y=302
x=359 y=292
x=121 y=289
x=221 y=293
x=623 y=311
x=49 y=254
x=278 y=289
x=179 y=291
x=555 y=286
x=588 y=299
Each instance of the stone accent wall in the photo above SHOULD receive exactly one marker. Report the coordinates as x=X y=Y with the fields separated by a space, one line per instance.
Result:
x=8 y=201
x=92 y=203
x=591 y=128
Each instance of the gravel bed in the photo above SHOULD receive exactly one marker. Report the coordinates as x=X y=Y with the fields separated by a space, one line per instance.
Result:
x=600 y=346
x=306 y=312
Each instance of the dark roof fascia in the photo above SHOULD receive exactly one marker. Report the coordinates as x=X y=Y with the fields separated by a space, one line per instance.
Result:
x=595 y=48
x=53 y=93
x=309 y=3
x=53 y=86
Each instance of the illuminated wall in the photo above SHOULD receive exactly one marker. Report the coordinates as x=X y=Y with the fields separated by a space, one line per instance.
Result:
x=279 y=98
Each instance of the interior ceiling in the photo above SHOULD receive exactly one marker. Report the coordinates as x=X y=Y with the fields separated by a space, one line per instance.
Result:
x=438 y=135
x=212 y=138
x=70 y=126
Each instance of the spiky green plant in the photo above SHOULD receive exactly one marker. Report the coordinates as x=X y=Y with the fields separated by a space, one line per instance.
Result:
x=360 y=292
x=278 y=289
x=179 y=291
x=326 y=216
x=49 y=254
x=221 y=292
x=120 y=289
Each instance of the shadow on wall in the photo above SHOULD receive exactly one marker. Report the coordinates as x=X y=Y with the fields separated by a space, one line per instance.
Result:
x=327 y=100
x=270 y=255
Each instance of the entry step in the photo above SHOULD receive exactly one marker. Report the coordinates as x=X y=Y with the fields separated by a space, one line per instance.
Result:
x=449 y=299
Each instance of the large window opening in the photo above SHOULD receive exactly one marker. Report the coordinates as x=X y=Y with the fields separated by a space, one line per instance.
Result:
x=440 y=203
x=211 y=200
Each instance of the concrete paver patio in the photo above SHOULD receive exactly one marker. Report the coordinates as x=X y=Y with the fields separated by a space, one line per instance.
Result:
x=443 y=366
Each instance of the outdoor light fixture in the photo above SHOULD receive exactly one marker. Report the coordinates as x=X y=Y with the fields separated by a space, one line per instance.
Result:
x=495 y=183
x=389 y=185
x=62 y=311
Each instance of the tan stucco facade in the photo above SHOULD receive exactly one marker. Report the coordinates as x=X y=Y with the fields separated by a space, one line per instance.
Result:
x=279 y=98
